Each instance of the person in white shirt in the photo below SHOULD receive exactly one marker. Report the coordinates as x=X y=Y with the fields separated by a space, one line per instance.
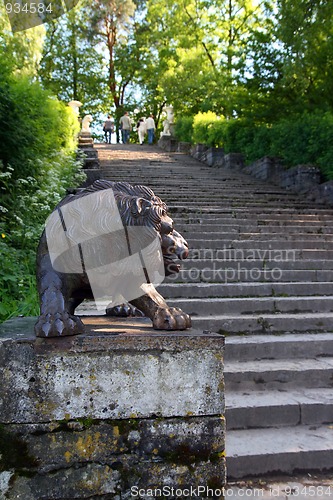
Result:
x=150 y=124
x=142 y=130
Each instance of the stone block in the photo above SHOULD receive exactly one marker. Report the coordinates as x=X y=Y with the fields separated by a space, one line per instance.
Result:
x=322 y=193
x=168 y=143
x=198 y=151
x=301 y=178
x=214 y=155
x=116 y=409
x=266 y=169
x=184 y=147
x=93 y=175
x=234 y=161
x=89 y=151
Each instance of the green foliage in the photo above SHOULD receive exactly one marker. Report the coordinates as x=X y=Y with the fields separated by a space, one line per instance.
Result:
x=26 y=203
x=184 y=128
x=208 y=128
x=302 y=139
x=33 y=124
x=22 y=50
x=72 y=66
x=202 y=123
x=305 y=139
x=216 y=132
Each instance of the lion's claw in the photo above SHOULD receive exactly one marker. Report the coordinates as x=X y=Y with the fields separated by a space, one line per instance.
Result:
x=58 y=325
x=171 y=318
x=123 y=311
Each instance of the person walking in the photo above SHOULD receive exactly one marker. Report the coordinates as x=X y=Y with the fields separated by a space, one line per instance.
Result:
x=108 y=129
x=141 y=129
x=126 y=127
x=150 y=124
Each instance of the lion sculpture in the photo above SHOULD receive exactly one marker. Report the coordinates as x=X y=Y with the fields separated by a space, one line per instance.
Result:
x=86 y=121
x=62 y=289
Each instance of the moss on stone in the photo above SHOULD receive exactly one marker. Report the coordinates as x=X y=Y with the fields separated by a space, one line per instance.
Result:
x=14 y=453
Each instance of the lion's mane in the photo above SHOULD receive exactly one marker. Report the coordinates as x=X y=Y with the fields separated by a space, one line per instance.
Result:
x=137 y=205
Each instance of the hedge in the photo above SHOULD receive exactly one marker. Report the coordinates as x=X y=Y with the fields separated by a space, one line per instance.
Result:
x=302 y=139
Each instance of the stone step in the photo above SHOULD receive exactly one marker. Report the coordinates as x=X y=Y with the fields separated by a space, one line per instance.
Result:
x=226 y=274
x=254 y=305
x=278 y=374
x=236 y=216
x=255 y=226
x=264 y=409
x=259 y=452
x=226 y=254
x=218 y=206
x=265 y=323
x=270 y=262
x=248 y=211
x=266 y=347
x=265 y=244
x=236 y=224
x=251 y=289
x=256 y=235
x=244 y=198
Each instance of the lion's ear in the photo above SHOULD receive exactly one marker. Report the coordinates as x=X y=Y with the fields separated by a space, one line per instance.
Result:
x=140 y=205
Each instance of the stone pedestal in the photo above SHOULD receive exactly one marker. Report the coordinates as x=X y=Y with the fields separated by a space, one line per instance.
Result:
x=167 y=143
x=233 y=161
x=119 y=409
x=301 y=178
x=86 y=145
x=198 y=151
x=266 y=169
x=184 y=147
x=214 y=155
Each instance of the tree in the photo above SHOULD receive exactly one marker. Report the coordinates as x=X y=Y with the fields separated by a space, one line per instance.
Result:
x=109 y=23
x=21 y=52
x=306 y=33
x=199 y=50
x=72 y=67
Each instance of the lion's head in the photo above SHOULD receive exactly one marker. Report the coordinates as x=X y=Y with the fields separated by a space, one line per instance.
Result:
x=138 y=206
x=86 y=121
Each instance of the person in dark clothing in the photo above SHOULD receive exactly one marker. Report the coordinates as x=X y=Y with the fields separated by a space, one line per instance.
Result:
x=108 y=129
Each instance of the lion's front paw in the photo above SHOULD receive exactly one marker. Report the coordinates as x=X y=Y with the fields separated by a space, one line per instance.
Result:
x=171 y=318
x=58 y=325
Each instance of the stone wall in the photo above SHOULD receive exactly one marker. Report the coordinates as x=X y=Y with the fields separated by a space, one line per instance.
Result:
x=305 y=179
x=168 y=143
x=104 y=414
x=91 y=164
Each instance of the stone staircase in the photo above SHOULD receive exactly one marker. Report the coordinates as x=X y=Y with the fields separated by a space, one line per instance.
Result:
x=261 y=273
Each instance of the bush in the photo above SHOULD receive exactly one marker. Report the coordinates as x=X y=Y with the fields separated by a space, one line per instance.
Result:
x=38 y=136
x=184 y=128
x=306 y=139
x=302 y=139
x=25 y=205
x=33 y=124
x=217 y=132
x=202 y=124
